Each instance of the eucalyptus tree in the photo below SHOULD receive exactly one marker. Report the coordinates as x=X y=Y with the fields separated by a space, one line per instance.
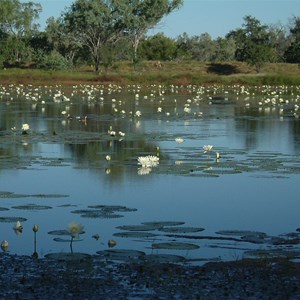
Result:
x=292 y=53
x=253 y=43
x=62 y=39
x=17 y=26
x=143 y=15
x=95 y=24
x=158 y=47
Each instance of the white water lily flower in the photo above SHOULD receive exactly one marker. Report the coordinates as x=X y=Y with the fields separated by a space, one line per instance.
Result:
x=148 y=161
x=75 y=229
x=18 y=226
x=207 y=148
x=107 y=157
x=25 y=128
x=4 y=245
x=121 y=133
x=179 y=140
x=138 y=113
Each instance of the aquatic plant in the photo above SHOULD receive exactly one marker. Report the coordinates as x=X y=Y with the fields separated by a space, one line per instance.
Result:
x=25 y=128
x=4 y=245
x=148 y=161
x=74 y=229
x=207 y=148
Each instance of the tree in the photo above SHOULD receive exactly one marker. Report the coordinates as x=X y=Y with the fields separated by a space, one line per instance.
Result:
x=17 y=25
x=143 y=15
x=253 y=43
x=158 y=47
x=62 y=39
x=95 y=23
x=292 y=53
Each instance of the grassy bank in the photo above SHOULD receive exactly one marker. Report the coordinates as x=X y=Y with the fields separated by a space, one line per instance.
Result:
x=178 y=73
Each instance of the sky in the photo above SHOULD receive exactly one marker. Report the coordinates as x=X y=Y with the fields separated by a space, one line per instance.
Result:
x=215 y=17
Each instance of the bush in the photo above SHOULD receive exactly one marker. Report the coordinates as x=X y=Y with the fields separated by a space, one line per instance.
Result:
x=51 y=61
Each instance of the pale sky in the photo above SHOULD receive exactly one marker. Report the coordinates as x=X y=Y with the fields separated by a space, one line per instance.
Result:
x=216 y=17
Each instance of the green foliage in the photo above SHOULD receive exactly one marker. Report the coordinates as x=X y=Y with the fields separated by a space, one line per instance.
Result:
x=51 y=61
x=158 y=47
x=253 y=43
x=292 y=54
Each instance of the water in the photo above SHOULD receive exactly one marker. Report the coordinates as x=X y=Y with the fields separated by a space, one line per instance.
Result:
x=61 y=163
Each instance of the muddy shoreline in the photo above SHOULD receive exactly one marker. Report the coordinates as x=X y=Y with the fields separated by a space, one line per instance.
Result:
x=23 y=277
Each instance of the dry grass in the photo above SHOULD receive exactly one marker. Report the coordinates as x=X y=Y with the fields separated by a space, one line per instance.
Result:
x=151 y=72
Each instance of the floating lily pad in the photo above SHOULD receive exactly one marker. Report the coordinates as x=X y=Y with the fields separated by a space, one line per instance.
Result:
x=50 y=195
x=32 y=207
x=242 y=233
x=101 y=215
x=163 y=223
x=163 y=258
x=60 y=240
x=119 y=254
x=3 y=209
x=175 y=246
x=113 y=208
x=133 y=234
x=12 y=219
x=59 y=232
x=12 y=195
x=68 y=256
x=181 y=229
x=144 y=227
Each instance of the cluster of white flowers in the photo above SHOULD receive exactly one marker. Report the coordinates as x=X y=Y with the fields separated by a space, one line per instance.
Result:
x=207 y=148
x=25 y=128
x=148 y=161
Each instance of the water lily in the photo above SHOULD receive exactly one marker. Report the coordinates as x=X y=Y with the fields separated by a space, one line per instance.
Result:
x=138 y=113
x=4 y=245
x=107 y=157
x=148 y=161
x=111 y=243
x=74 y=229
x=25 y=128
x=35 y=228
x=207 y=148
x=18 y=228
x=179 y=140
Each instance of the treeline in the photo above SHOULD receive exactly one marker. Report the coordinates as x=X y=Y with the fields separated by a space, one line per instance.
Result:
x=101 y=32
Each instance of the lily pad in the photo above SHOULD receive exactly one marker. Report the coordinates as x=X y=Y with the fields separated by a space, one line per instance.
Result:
x=60 y=240
x=119 y=254
x=163 y=258
x=50 y=195
x=133 y=234
x=163 y=223
x=3 y=209
x=242 y=233
x=32 y=207
x=68 y=256
x=143 y=227
x=12 y=219
x=175 y=246
x=181 y=229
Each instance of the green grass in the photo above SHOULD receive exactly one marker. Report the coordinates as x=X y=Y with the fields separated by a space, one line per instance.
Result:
x=178 y=73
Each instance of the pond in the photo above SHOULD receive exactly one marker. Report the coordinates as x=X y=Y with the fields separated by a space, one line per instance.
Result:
x=79 y=162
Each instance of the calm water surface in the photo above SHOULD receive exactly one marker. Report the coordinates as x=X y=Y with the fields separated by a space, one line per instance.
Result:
x=61 y=164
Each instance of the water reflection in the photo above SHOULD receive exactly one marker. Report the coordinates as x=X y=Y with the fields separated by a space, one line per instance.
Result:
x=256 y=131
